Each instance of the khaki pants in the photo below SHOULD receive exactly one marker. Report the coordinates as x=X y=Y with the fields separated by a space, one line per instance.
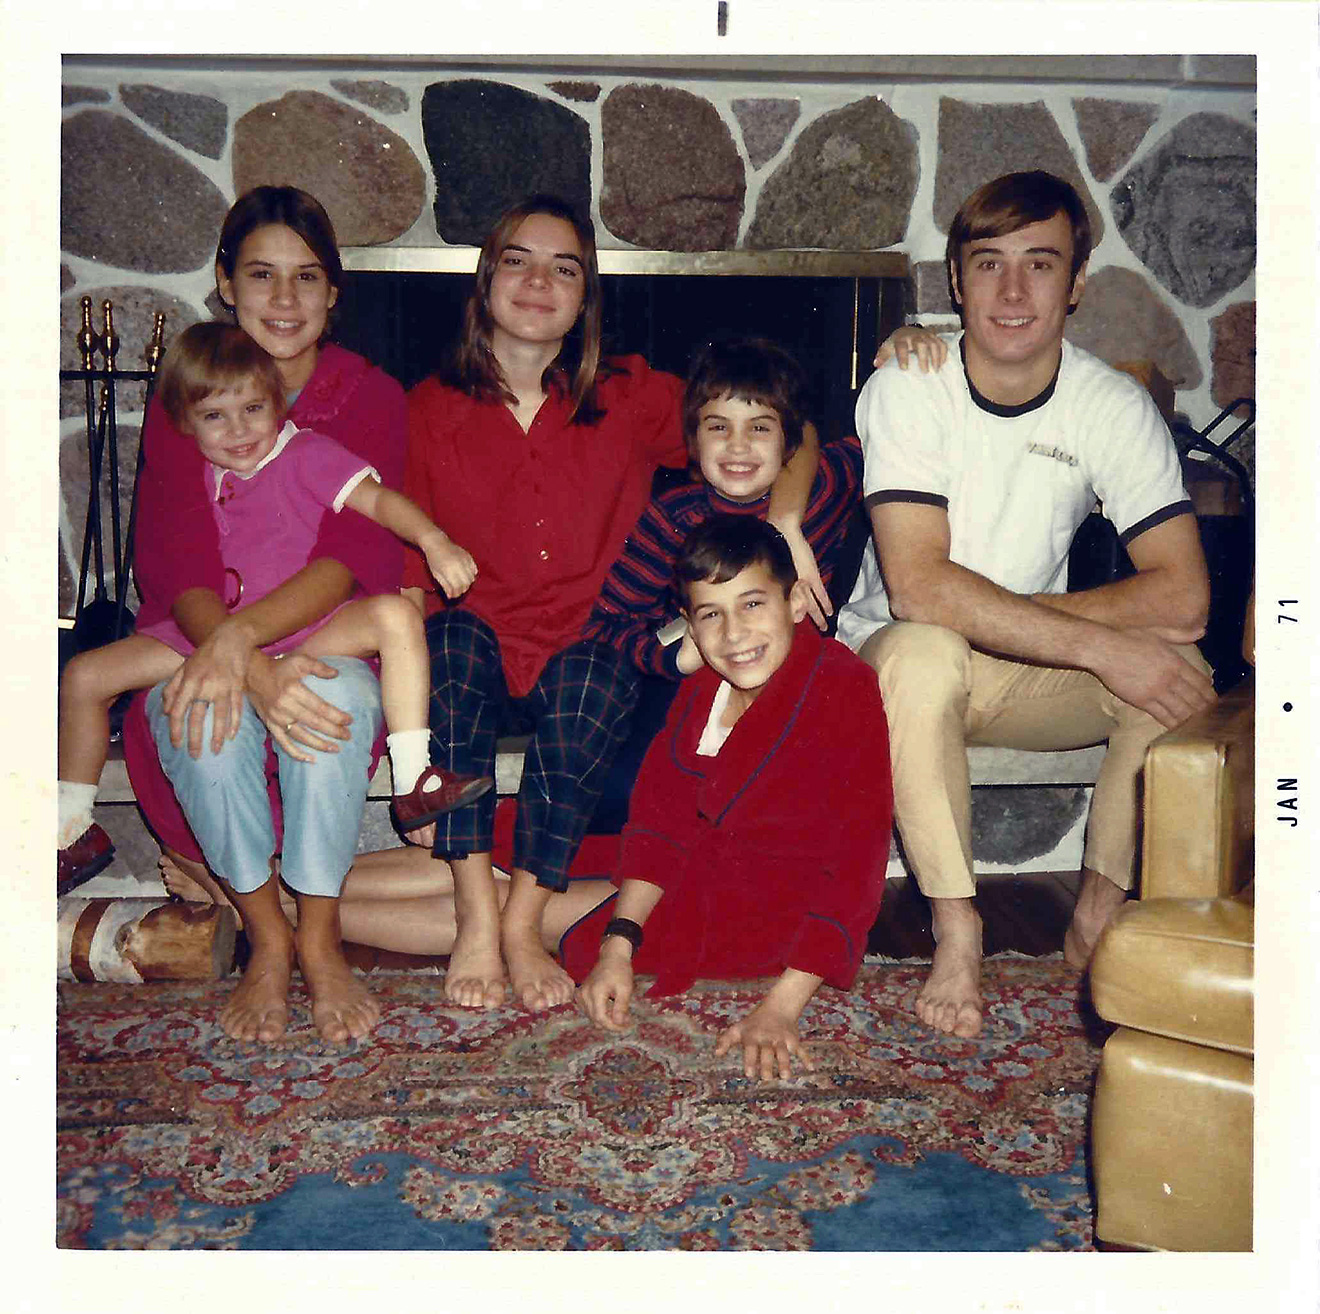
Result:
x=941 y=695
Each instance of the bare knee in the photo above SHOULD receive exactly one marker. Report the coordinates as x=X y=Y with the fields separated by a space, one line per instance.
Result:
x=84 y=682
x=393 y=619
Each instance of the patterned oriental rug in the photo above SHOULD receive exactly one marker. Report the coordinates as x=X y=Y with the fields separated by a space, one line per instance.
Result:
x=457 y=1130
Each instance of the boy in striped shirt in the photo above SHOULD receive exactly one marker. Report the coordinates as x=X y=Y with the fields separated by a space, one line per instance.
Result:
x=743 y=417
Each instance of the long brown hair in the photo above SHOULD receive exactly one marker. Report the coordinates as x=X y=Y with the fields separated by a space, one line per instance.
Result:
x=472 y=367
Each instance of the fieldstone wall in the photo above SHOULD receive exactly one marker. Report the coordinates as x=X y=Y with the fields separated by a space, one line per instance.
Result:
x=418 y=156
x=1162 y=148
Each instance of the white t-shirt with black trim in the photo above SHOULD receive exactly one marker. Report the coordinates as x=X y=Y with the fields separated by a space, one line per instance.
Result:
x=1016 y=481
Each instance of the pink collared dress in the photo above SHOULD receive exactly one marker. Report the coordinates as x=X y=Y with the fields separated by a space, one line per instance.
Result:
x=268 y=522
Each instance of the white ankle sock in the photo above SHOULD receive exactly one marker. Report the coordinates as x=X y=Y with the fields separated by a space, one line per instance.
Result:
x=74 y=810
x=410 y=755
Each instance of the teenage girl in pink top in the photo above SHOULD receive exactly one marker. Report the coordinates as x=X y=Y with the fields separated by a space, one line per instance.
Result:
x=278 y=266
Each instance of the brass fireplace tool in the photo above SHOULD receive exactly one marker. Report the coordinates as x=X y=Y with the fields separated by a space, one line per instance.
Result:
x=100 y=620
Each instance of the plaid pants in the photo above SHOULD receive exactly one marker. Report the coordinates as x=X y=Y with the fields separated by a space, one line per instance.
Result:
x=577 y=713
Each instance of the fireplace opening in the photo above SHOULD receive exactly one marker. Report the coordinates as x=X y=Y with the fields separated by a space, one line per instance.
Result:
x=401 y=308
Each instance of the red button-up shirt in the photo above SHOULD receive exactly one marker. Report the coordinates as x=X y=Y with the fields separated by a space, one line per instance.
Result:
x=545 y=513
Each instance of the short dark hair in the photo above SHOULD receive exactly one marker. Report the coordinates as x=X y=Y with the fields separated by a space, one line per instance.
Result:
x=751 y=370
x=724 y=545
x=1005 y=205
x=212 y=357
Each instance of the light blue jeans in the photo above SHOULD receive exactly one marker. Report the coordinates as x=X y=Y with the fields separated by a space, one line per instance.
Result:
x=223 y=794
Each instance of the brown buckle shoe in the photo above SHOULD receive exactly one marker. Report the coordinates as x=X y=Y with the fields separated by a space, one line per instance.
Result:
x=92 y=852
x=422 y=806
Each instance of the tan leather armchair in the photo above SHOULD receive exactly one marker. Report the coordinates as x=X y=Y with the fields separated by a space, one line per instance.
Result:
x=1172 y=1116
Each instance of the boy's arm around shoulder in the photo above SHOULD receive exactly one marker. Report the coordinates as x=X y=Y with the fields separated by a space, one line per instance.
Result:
x=789 y=498
x=835 y=500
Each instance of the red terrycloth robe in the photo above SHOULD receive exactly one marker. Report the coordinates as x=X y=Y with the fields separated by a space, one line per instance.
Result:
x=771 y=854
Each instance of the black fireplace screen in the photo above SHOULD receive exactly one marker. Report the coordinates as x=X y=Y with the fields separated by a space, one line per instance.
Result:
x=404 y=320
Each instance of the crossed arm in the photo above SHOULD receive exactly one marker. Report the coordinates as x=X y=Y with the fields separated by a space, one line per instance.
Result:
x=1123 y=633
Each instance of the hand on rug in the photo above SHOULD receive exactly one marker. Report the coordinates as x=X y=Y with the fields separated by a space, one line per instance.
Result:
x=769 y=1045
x=605 y=995
x=769 y=1033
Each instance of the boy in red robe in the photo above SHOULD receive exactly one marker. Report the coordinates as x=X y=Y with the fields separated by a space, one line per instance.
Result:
x=760 y=824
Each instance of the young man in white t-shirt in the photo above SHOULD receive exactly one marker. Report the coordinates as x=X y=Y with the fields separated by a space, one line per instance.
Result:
x=977 y=476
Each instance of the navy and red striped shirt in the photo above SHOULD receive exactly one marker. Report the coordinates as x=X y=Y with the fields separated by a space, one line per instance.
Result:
x=638 y=598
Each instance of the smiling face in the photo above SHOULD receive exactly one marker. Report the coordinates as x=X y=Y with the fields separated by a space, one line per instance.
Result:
x=538 y=285
x=744 y=627
x=236 y=427
x=1015 y=292
x=282 y=297
x=739 y=447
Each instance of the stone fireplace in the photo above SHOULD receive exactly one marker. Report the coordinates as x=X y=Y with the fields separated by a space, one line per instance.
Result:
x=831 y=309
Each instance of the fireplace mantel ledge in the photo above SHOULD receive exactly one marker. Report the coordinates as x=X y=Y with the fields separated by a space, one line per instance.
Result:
x=783 y=264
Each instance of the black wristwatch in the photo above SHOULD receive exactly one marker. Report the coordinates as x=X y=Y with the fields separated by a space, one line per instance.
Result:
x=625 y=927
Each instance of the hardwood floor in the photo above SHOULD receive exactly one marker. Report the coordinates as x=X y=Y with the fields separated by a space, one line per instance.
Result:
x=1027 y=913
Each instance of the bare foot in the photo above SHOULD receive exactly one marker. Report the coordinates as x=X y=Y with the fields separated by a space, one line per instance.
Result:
x=950 y=1001
x=193 y=883
x=475 y=975
x=259 y=1007
x=342 y=1006
x=538 y=981
x=1097 y=902
x=189 y=881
